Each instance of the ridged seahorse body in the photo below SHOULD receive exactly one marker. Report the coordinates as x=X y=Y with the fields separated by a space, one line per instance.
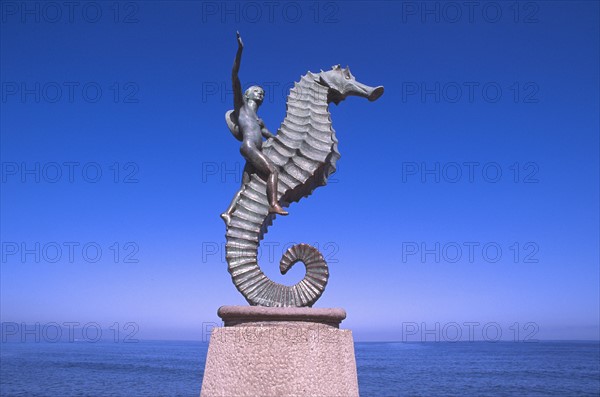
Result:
x=305 y=152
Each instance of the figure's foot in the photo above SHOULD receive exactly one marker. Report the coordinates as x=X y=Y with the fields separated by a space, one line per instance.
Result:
x=276 y=209
x=226 y=217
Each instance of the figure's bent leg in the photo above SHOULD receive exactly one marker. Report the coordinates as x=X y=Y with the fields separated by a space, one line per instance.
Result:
x=274 y=206
x=248 y=171
x=226 y=216
x=268 y=171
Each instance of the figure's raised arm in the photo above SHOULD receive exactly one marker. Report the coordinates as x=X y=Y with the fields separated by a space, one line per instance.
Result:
x=238 y=96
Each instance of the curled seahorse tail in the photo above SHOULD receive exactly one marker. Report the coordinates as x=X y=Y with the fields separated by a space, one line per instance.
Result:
x=311 y=287
x=241 y=249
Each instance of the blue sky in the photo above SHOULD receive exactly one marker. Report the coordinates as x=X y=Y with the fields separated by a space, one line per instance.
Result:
x=468 y=193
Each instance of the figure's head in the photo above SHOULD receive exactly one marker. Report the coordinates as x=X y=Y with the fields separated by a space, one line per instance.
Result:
x=255 y=93
x=341 y=83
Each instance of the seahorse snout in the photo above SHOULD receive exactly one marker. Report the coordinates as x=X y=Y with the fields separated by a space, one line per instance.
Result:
x=376 y=93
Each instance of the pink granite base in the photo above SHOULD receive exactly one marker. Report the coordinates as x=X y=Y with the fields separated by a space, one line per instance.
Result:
x=280 y=352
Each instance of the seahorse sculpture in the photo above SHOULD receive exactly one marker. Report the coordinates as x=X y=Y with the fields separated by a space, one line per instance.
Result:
x=305 y=153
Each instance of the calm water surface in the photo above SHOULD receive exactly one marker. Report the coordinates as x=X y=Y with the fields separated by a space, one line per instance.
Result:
x=167 y=368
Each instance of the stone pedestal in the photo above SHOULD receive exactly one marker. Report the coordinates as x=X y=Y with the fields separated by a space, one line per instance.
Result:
x=272 y=351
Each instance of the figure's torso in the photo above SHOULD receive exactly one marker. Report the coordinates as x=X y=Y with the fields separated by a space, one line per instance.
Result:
x=249 y=126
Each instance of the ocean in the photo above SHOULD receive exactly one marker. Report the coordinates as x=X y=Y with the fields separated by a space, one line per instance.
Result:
x=170 y=368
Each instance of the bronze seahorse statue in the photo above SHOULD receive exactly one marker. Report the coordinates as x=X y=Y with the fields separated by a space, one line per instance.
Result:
x=298 y=159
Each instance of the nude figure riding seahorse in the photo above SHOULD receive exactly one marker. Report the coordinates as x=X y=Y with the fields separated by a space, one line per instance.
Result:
x=282 y=170
x=247 y=127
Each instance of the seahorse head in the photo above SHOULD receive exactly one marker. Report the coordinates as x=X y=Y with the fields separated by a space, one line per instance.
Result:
x=341 y=83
